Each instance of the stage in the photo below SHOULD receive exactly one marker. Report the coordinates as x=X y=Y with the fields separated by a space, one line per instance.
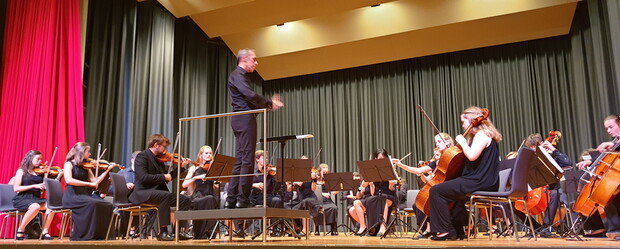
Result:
x=337 y=242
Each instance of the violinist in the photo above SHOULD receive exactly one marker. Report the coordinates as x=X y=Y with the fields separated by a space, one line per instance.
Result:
x=358 y=206
x=612 y=210
x=306 y=198
x=376 y=206
x=330 y=210
x=533 y=141
x=28 y=185
x=203 y=193
x=480 y=172
x=91 y=212
x=150 y=186
x=443 y=141
x=256 y=198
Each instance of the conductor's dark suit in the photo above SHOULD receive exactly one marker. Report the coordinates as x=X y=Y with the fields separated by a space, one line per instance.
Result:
x=243 y=98
x=150 y=186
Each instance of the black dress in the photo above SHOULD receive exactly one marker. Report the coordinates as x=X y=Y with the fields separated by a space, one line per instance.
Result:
x=376 y=203
x=203 y=198
x=90 y=215
x=329 y=209
x=482 y=174
x=24 y=199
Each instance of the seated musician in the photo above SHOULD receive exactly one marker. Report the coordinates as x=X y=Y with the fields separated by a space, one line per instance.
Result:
x=256 y=197
x=612 y=210
x=443 y=141
x=376 y=207
x=150 y=186
x=532 y=141
x=357 y=208
x=305 y=199
x=28 y=184
x=86 y=208
x=480 y=172
x=330 y=210
x=203 y=193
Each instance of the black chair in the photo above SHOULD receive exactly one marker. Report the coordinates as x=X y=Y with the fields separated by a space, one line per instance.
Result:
x=54 y=204
x=6 y=207
x=504 y=175
x=121 y=203
x=516 y=193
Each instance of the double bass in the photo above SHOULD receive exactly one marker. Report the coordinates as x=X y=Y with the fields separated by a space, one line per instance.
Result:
x=450 y=166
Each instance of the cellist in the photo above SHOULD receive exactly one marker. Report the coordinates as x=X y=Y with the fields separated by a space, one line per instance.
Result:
x=612 y=210
x=480 y=172
x=532 y=141
x=443 y=141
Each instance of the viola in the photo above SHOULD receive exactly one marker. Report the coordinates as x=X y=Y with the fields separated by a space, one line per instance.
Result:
x=450 y=166
x=172 y=157
x=554 y=137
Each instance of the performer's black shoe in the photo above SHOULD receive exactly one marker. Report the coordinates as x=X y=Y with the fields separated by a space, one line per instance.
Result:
x=164 y=236
x=446 y=236
x=243 y=204
x=229 y=204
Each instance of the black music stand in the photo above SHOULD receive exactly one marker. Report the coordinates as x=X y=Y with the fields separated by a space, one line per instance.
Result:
x=222 y=165
x=543 y=171
x=378 y=170
x=289 y=170
x=341 y=182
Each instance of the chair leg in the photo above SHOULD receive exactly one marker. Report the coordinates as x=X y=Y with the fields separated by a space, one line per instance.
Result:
x=129 y=224
x=469 y=217
x=529 y=218
x=107 y=235
x=514 y=220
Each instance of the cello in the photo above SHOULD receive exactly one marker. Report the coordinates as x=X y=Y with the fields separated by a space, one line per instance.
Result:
x=449 y=167
x=537 y=199
x=606 y=171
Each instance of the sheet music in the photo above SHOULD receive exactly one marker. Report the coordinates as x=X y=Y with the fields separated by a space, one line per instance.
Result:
x=541 y=151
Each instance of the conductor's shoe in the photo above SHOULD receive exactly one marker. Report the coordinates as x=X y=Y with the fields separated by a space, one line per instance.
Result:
x=185 y=236
x=164 y=236
x=229 y=204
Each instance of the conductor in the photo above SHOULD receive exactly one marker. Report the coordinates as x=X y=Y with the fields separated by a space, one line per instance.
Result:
x=243 y=98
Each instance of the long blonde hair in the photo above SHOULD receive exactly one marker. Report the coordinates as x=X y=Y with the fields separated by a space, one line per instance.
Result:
x=485 y=126
x=202 y=150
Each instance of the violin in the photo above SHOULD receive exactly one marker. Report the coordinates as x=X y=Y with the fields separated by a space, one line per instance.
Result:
x=103 y=164
x=271 y=169
x=42 y=169
x=174 y=158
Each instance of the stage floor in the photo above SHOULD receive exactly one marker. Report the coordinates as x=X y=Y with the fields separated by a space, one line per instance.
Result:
x=338 y=242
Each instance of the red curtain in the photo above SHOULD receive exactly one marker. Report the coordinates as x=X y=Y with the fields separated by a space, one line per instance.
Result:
x=42 y=102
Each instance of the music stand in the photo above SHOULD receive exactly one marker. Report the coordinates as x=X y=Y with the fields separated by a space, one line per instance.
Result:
x=571 y=182
x=543 y=171
x=341 y=182
x=295 y=170
x=378 y=170
x=222 y=165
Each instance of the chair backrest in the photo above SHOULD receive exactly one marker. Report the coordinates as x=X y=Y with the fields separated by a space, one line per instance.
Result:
x=6 y=197
x=54 y=193
x=121 y=193
x=412 y=194
x=519 y=173
x=503 y=179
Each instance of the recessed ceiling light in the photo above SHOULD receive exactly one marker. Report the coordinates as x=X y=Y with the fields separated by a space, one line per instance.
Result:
x=280 y=25
x=376 y=5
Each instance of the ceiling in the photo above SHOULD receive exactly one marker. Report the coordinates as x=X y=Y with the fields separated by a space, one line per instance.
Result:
x=325 y=35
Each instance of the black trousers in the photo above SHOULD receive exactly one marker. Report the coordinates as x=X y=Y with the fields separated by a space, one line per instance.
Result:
x=442 y=219
x=244 y=128
x=612 y=222
x=165 y=200
x=554 y=204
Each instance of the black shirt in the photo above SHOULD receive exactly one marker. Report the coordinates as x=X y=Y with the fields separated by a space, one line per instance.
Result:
x=242 y=96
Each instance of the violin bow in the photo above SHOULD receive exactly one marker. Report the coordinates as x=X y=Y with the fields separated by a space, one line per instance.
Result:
x=216 y=149
x=51 y=162
x=431 y=122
